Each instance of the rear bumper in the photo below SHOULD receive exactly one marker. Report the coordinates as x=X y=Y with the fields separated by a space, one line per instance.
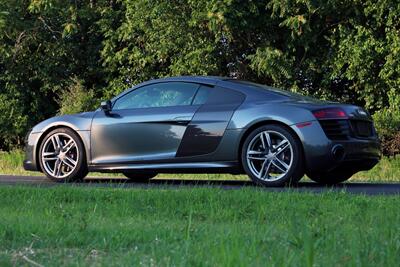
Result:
x=358 y=154
x=356 y=150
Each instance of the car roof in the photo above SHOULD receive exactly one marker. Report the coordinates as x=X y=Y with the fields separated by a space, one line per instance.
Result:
x=211 y=80
x=227 y=82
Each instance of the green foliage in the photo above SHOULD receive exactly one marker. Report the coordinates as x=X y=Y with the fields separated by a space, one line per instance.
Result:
x=12 y=120
x=368 y=51
x=76 y=99
x=155 y=39
x=387 y=122
x=38 y=58
x=342 y=50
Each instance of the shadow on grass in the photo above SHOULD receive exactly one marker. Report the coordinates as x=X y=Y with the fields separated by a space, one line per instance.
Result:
x=366 y=188
x=230 y=183
x=310 y=187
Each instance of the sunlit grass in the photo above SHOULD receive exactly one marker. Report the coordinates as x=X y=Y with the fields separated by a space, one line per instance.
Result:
x=75 y=226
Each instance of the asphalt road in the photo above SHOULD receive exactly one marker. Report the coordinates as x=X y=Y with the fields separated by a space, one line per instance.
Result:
x=353 y=188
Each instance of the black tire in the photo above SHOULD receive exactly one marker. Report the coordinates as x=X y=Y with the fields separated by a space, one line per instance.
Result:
x=296 y=169
x=331 y=178
x=140 y=177
x=80 y=171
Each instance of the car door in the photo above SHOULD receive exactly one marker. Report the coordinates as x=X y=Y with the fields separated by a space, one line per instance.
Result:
x=208 y=126
x=145 y=124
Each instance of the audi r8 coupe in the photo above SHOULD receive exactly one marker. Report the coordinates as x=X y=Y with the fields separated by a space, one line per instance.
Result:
x=203 y=125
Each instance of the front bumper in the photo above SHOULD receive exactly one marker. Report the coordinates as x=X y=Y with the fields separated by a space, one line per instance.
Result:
x=30 y=166
x=30 y=162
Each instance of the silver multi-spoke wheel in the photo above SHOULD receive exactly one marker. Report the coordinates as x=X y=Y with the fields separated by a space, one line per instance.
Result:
x=59 y=155
x=269 y=155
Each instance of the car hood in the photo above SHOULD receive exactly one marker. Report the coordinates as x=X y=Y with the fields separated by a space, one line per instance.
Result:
x=88 y=114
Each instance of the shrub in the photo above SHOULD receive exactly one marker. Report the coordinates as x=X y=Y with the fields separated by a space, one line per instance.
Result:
x=387 y=122
x=391 y=145
x=76 y=98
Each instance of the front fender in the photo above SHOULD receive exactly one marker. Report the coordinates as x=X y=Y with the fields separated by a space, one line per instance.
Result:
x=80 y=123
x=77 y=122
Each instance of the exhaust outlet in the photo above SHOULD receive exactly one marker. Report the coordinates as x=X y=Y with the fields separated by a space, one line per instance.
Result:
x=338 y=152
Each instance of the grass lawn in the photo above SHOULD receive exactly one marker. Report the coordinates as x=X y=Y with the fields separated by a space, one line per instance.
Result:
x=388 y=170
x=77 y=226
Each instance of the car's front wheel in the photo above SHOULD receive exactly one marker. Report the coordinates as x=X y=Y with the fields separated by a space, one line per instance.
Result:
x=272 y=156
x=62 y=156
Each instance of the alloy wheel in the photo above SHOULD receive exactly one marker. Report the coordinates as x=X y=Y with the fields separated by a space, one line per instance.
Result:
x=59 y=155
x=269 y=155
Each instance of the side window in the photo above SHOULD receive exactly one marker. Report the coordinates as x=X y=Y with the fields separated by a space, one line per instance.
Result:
x=220 y=95
x=158 y=95
x=201 y=96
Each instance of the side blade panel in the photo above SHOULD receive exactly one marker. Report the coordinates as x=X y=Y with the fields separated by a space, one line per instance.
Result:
x=205 y=131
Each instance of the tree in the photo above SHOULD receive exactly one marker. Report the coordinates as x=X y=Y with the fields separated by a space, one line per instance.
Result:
x=43 y=44
x=339 y=50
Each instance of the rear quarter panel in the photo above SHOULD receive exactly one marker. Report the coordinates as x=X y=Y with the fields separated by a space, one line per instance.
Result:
x=251 y=113
x=316 y=145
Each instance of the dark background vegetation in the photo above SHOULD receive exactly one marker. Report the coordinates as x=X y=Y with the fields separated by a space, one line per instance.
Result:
x=59 y=56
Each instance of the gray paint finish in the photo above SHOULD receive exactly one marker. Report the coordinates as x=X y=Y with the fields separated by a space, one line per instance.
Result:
x=138 y=134
x=206 y=137
x=208 y=125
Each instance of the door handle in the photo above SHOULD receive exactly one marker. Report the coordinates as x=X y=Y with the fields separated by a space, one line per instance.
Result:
x=182 y=120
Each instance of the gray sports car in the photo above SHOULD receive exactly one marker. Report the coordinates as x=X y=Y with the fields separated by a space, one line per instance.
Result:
x=203 y=125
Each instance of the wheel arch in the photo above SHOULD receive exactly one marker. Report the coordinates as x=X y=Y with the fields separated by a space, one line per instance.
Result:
x=46 y=132
x=258 y=124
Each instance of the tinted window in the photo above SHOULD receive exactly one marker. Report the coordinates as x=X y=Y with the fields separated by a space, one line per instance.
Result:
x=221 y=95
x=202 y=95
x=158 y=95
x=278 y=91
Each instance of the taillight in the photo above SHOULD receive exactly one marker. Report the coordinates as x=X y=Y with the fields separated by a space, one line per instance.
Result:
x=330 y=113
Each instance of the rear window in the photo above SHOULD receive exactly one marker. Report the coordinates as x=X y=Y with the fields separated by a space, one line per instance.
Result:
x=276 y=90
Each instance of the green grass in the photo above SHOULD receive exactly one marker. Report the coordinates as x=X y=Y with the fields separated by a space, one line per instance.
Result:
x=388 y=170
x=77 y=226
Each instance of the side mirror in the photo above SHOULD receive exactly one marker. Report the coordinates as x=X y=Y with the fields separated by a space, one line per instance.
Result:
x=106 y=106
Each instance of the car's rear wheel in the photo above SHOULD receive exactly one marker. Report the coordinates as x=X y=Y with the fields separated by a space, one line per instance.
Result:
x=272 y=156
x=62 y=156
x=331 y=178
x=140 y=177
